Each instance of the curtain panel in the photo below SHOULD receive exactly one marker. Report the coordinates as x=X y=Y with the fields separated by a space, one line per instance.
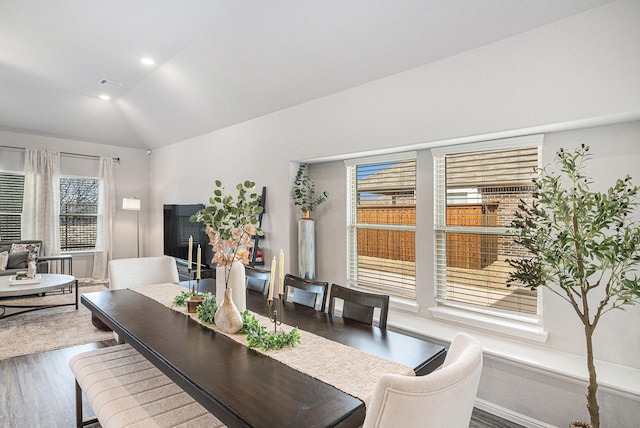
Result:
x=106 y=214
x=41 y=201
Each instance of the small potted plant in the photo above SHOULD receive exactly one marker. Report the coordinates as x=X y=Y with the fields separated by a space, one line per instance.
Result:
x=305 y=197
x=304 y=192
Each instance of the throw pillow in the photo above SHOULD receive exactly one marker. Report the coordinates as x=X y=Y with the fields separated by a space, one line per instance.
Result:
x=33 y=249
x=4 y=258
x=18 y=260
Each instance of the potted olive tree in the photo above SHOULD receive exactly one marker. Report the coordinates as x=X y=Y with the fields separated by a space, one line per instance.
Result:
x=584 y=245
x=306 y=198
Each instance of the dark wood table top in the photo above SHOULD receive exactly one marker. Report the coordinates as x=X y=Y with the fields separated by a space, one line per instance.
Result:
x=421 y=355
x=239 y=385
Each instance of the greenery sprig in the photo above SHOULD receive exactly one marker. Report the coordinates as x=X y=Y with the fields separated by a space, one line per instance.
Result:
x=304 y=191
x=257 y=335
x=207 y=309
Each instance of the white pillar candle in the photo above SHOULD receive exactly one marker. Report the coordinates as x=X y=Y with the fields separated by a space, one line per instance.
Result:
x=199 y=260
x=190 y=251
x=272 y=278
x=281 y=289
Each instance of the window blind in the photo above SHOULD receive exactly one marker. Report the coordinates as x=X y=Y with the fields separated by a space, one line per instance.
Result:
x=476 y=195
x=11 y=195
x=381 y=225
x=78 y=213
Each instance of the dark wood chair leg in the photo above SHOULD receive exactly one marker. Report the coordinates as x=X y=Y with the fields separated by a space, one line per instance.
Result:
x=79 y=422
x=78 y=406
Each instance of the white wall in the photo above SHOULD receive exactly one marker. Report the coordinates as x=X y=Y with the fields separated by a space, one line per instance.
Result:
x=131 y=179
x=616 y=152
x=580 y=70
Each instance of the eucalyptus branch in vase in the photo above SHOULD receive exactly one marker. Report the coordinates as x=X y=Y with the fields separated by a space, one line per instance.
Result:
x=230 y=223
x=304 y=192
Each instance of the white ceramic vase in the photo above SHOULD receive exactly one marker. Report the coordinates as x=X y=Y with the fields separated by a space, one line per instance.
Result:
x=237 y=283
x=227 y=317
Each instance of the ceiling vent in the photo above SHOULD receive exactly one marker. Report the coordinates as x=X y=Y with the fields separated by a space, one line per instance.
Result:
x=110 y=83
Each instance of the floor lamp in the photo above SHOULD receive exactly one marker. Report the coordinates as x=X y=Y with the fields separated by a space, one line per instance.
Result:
x=133 y=204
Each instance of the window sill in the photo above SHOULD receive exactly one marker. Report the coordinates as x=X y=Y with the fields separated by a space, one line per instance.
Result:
x=520 y=330
x=78 y=252
x=402 y=304
x=619 y=380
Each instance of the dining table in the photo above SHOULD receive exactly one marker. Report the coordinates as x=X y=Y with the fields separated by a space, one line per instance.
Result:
x=242 y=386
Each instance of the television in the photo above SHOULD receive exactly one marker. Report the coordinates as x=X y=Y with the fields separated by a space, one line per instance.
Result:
x=178 y=229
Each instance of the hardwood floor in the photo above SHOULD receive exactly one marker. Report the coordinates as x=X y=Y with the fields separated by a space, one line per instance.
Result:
x=38 y=391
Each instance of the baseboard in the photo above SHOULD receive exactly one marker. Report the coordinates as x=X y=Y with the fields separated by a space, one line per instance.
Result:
x=510 y=415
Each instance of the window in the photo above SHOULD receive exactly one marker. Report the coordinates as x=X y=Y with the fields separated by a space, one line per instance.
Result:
x=11 y=191
x=381 y=224
x=476 y=194
x=78 y=213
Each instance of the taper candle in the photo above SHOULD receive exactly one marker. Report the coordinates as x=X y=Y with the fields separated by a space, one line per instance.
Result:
x=199 y=260
x=281 y=289
x=190 y=251
x=272 y=278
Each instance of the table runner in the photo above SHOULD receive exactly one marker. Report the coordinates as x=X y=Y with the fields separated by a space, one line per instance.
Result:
x=348 y=369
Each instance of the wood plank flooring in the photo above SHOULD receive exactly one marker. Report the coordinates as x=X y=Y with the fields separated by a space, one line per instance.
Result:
x=38 y=391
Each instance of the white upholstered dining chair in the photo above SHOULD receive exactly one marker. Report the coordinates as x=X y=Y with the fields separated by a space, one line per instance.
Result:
x=443 y=398
x=135 y=272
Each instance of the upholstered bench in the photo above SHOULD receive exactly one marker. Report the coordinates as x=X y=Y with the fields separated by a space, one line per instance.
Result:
x=124 y=389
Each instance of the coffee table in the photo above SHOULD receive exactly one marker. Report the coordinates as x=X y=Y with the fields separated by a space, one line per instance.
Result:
x=49 y=282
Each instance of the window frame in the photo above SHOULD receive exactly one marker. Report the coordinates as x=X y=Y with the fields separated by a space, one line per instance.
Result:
x=61 y=214
x=353 y=224
x=528 y=326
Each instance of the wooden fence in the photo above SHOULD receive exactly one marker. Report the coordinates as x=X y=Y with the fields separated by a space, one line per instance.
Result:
x=387 y=244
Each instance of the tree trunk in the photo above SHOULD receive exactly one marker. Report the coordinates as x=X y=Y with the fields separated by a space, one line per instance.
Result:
x=592 y=400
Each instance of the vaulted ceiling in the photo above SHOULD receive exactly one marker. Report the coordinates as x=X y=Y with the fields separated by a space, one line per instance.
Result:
x=222 y=62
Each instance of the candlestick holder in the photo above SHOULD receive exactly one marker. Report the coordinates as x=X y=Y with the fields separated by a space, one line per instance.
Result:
x=274 y=316
x=195 y=299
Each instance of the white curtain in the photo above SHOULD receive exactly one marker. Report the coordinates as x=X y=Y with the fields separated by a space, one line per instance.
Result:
x=41 y=204
x=106 y=213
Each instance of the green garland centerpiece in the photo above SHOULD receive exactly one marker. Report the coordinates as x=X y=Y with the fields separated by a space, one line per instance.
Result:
x=257 y=336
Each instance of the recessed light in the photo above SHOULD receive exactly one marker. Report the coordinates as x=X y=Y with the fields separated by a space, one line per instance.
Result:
x=147 y=61
x=105 y=97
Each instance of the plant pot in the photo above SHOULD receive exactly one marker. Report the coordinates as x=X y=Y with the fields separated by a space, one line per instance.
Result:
x=579 y=424
x=193 y=302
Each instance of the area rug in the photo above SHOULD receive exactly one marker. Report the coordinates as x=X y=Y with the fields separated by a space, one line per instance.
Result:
x=49 y=329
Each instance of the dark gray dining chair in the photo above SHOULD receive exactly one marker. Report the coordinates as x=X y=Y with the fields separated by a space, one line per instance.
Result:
x=359 y=305
x=206 y=285
x=257 y=279
x=306 y=292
